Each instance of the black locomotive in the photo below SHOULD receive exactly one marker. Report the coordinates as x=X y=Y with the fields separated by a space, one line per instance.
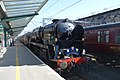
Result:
x=61 y=43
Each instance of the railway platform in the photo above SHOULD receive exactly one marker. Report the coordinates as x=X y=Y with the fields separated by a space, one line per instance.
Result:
x=19 y=63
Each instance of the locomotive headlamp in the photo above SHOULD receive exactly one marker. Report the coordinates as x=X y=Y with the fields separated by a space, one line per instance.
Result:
x=72 y=47
x=60 y=53
x=84 y=52
x=77 y=50
x=83 y=39
x=63 y=65
x=68 y=50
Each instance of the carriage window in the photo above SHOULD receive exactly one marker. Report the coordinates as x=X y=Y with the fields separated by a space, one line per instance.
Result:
x=117 y=37
x=107 y=36
x=103 y=36
x=98 y=36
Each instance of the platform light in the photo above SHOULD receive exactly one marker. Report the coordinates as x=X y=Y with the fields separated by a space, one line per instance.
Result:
x=10 y=24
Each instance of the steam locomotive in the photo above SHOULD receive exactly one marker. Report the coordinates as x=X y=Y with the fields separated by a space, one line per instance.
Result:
x=60 y=44
x=103 y=41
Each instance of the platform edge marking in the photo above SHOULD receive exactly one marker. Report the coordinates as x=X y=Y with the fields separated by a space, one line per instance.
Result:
x=17 y=65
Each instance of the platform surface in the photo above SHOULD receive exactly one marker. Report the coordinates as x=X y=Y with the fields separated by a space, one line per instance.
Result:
x=19 y=63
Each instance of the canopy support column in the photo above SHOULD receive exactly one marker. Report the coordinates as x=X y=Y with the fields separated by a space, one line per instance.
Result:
x=4 y=37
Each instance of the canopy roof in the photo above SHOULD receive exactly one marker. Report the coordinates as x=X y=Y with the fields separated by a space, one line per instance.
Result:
x=18 y=13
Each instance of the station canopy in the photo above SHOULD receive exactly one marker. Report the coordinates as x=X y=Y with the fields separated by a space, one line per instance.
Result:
x=18 y=13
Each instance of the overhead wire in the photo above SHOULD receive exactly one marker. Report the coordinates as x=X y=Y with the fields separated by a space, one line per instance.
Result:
x=46 y=10
x=65 y=9
x=50 y=6
x=33 y=23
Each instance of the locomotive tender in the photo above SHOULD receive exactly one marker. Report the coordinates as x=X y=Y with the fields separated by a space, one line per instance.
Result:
x=61 y=43
x=103 y=41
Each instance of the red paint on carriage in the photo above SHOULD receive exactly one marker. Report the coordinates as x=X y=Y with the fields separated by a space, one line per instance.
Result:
x=103 y=41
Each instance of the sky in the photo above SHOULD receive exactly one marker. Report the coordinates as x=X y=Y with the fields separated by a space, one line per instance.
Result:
x=71 y=9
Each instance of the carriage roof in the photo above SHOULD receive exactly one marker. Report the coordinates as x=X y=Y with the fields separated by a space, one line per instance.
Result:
x=103 y=26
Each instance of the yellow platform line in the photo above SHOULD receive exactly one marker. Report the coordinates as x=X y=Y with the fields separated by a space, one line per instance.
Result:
x=17 y=65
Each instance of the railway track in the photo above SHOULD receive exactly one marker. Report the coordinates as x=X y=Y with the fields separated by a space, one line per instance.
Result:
x=98 y=72
x=76 y=77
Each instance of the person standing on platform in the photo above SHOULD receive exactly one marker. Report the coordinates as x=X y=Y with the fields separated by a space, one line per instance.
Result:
x=12 y=41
